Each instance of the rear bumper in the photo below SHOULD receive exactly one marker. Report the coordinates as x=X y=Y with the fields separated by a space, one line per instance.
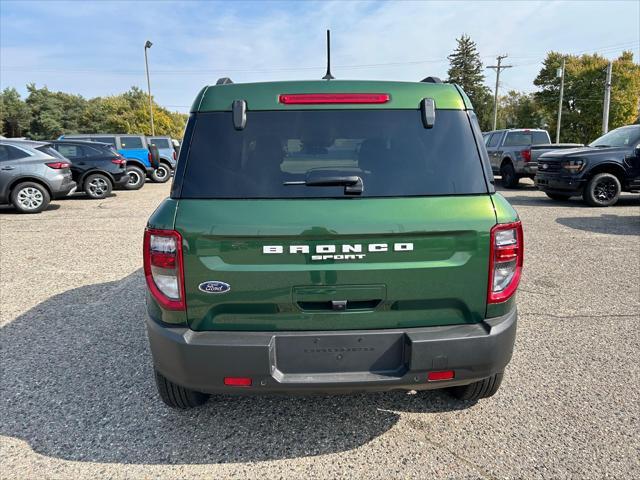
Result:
x=120 y=179
x=332 y=361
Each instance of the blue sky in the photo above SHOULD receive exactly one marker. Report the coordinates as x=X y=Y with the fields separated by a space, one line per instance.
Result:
x=95 y=48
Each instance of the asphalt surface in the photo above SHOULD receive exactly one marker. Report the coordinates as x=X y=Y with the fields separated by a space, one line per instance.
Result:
x=78 y=398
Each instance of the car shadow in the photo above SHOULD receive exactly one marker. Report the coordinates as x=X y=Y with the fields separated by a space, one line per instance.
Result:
x=10 y=210
x=541 y=200
x=606 y=223
x=78 y=385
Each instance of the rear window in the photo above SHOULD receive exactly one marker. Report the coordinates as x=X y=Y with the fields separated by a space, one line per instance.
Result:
x=50 y=151
x=389 y=150
x=109 y=140
x=526 y=138
x=131 y=142
x=161 y=142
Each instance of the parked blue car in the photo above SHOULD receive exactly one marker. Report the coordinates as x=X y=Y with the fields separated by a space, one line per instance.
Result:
x=168 y=155
x=143 y=159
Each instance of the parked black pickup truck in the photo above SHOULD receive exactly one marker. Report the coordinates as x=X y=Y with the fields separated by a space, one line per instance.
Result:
x=599 y=172
x=514 y=152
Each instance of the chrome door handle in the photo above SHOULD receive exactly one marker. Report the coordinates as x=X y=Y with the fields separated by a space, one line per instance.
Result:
x=8 y=167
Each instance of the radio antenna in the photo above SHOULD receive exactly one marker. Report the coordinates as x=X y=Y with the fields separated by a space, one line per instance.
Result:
x=328 y=75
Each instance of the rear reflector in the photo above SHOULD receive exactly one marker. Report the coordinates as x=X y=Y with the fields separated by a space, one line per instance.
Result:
x=319 y=98
x=443 y=375
x=237 y=381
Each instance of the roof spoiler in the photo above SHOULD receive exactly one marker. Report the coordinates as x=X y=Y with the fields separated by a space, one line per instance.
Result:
x=431 y=80
x=224 y=81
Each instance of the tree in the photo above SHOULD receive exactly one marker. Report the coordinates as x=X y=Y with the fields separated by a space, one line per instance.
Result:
x=582 y=106
x=14 y=114
x=51 y=114
x=465 y=69
x=520 y=110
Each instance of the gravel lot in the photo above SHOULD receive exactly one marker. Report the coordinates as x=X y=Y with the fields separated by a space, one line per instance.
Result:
x=78 y=398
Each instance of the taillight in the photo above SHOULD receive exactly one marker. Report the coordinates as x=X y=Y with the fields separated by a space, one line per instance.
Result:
x=505 y=262
x=149 y=157
x=315 y=98
x=526 y=155
x=58 y=165
x=175 y=157
x=119 y=161
x=163 y=267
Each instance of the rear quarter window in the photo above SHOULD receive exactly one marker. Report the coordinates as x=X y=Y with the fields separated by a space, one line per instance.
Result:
x=160 y=142
x=389 y=149
x=129 y=143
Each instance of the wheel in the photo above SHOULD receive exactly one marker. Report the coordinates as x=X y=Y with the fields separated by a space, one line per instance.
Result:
x=558 y=196
x=136 y=178
x=509 y=177
x=485 y=388
x=603 y=190
x=97 y=186
x=30 y=197
x=176 y=396
x=161 y=174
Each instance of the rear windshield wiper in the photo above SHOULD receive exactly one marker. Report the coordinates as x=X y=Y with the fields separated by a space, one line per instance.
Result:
x=352 y=183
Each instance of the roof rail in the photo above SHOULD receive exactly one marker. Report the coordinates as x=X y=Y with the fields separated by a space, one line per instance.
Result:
x=224 y=81
x=431 y=80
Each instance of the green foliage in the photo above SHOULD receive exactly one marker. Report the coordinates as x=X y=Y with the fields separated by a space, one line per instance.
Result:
x=520 y=110
x=465 y=69
x=582 y=106
x=14 y=114
x=46 y=114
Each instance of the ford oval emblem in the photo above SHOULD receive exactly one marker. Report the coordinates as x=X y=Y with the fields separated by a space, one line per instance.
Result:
x=213 y=286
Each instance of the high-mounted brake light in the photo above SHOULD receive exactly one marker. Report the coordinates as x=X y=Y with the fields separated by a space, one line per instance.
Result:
x=505 y=261
x=320 y=98
x=163 y=267
x=58 y=165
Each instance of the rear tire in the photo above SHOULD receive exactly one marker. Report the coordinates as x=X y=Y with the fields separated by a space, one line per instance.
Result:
x=30 y=197
x=509 y=177
x=485 y=388
x=97 y=186
x=162 y=174
x=178 y=397
x=136 y=178
x=603 y=190
x=558 y=196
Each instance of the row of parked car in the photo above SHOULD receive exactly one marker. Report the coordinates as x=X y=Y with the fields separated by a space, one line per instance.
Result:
x=599 y=172
x=32 y=173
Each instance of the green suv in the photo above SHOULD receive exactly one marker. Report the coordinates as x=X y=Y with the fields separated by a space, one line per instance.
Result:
x=331 y=236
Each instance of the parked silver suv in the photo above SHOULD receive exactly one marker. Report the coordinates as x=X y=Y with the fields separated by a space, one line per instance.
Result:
x=31 y=174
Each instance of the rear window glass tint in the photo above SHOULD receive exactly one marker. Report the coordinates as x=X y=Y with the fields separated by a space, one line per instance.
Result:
x=540 y=138
x=161 y=142
x=131 y=142
x=389 y=149
x=69 y=151
x=494 y=140
x=50 y=151
x=7 y=152
x=526 y=138
x=109 y=140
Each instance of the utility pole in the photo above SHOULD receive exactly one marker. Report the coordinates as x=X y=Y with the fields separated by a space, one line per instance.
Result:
x=497 y=68
x=148 y=45
x=561 y=75
x=607 y=100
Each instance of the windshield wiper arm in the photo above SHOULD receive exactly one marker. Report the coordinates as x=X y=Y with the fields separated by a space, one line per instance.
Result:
x=352 y=183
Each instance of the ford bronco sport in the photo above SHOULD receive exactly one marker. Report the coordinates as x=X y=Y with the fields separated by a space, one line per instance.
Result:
x=331 y=236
